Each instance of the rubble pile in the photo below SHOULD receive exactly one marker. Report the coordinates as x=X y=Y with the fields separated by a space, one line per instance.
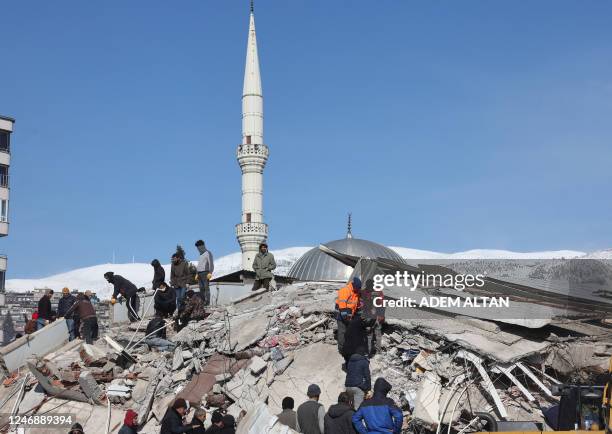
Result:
x=269 y=345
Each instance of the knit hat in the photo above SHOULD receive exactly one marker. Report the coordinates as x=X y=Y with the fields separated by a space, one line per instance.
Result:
x=313 y=390
x=356 y=282
x=130 y=417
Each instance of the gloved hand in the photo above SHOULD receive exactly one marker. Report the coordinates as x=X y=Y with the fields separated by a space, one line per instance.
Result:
x=209 y=276
x=196 y=278
x=113 y=300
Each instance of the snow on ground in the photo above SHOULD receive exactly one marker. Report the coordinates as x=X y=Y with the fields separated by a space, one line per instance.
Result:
x=142 y=274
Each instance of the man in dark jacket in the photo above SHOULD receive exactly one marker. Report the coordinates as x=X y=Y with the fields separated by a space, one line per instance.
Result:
x=128 y=290
x=159 y=274
x=180 y=277
x=229 y=424
x=216 y=420
x=338 y=419
x=358 y=380
x=63 y=305
x=378 y=414
x=356 y=336
x=263 y=264
x=311 y=414
x=45 y=314
x=165 y=300
x=197 y=422
x=172 y=422
x=156 y=334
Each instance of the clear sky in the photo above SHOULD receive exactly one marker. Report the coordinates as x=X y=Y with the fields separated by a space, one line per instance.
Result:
x=442 y=125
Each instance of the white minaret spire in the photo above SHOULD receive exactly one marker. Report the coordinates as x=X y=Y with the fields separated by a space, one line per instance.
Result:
x=252 y=155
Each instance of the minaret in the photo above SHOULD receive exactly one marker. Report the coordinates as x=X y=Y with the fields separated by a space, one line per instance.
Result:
x=252 y=155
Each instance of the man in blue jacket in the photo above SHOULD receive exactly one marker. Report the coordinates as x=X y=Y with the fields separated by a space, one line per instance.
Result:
x=379 y=414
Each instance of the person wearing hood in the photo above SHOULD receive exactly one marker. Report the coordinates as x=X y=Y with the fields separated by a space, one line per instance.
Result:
x=205 y=269
x=263 y=264
x=180 y=277
x=130 y=422
x=339 y=417
x=358 y=380
x=159 y=274
x=378 y=414
x=125 y=288
x=164 y=301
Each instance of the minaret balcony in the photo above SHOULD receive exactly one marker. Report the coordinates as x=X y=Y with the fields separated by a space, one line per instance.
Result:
x=252 y=228
x=252 y=150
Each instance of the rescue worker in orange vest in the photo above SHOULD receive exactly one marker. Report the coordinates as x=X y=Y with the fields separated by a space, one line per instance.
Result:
x=346 y=306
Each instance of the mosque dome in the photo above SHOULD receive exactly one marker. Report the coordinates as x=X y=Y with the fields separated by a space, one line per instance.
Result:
x=318 y=266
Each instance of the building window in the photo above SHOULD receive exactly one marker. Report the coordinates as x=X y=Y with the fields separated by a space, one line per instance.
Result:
x=248 y=217
x=5 y=141
x=2 y=280
x=4 y=175
x=4 y=211
x=248 y=140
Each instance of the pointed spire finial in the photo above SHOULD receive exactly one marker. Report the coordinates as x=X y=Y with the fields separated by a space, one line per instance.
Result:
x=252 y=6
x=349 y=234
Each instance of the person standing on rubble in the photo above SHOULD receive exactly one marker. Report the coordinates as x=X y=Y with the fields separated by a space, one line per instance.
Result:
x=130 y=423
x=263 y=264
x=128 y=290
x=63 y=306
x=87 y=315
x=205 y=269
x=347 y=303
x=311 y=414
x=180 y=277
x=355 y=337
x=172 y=422
x=288 y=416
x=194 y=310
x=378 y=414
x=339 y=417
x=45 y=314
x=358 y=380
x=159 y=274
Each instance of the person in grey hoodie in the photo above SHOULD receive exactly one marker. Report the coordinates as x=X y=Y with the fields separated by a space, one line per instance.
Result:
x=263 y=264
x=205 y=269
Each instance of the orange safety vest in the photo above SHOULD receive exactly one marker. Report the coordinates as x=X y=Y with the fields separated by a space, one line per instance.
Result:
x=348 y=299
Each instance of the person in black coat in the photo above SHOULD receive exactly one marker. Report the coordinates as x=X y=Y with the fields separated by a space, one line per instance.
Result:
x=128 y=290
x=356 y=337
x=172 y=422
x=63 y=311
x=197 y=422
x=338 y=419
x=45 y=314
x=217 y=423
x=165 y=300
x=159 y=274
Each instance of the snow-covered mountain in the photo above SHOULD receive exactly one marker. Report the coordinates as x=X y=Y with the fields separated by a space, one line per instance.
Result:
x=142 y=274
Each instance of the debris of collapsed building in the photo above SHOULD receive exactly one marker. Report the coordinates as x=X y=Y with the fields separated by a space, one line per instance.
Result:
x=246 y=356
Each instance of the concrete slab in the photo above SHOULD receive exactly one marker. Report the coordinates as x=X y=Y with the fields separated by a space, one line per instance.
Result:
x=246 y=330
x=317 y=363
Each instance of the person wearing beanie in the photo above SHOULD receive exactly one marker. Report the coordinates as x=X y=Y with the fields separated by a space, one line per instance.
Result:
x=216 y=423
x=346 y=306
x=172 y=422
x=311 y=414
x=288 y=416
x=63 y=311
x=130 y=422
x=263 y=264
x=379 y=413
x=159 y=274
